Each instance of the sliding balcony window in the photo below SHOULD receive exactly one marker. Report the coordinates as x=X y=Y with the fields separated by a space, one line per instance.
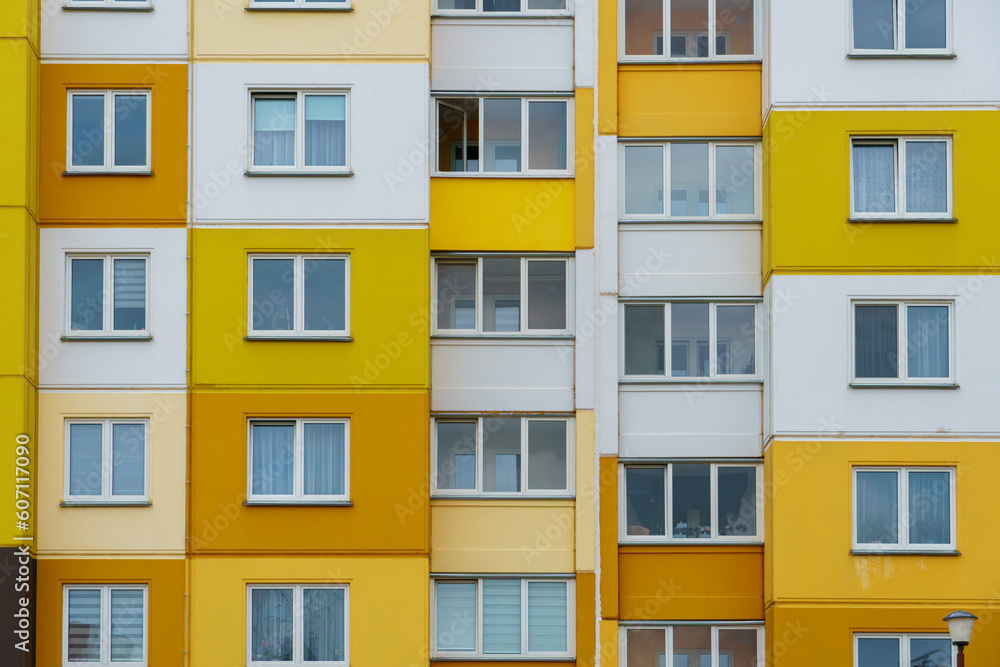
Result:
x=298 y=461
x=503 y=7
x=901 y=178
x=109 y=131
x=298 y=625
x=299 y=296
x=105 y=625
x=300 y=132
x=699 y=30
x=896 y=27
x=904 y=509
x=107 y=296
x=903 y=342
x=733 y=645
x=879 y=650
x=107 y=461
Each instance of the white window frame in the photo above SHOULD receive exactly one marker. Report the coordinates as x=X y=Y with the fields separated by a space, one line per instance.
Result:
x=668 y=653
x=756 y=216
x=524 y=331
x=667 y=468
x=110 y=135
x=901 y=343
x=523 y=11
x=341 y=5
x=713 y=345
x=478 y=654
x=297 y=631
x=300 y=94
x=107 y=463
x=108 y=4
x=902 y=510
x=298 y=464
x=899 y=144
x=899 y=34
x=525 y=151
x=299 y=297
x=105 y=640
x=904 y=643
x=711 y=32
x=568 y=492
x=107 y=330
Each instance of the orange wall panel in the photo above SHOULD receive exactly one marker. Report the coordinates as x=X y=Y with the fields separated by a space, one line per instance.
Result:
x=608 y=522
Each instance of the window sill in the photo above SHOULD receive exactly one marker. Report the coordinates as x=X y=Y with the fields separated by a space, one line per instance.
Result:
x=904 y=385
x=901 y=219
x=504 y=337
x=348 y=8
x=108 y=172
x=659 y=541
x=437 y=495
x=694 y=381
x=106 y=503
x=501 y=658
x=895 y=55
x=660 y=60
x=324 y=174
x=301 y=339
x=472 y=14
x=690 y=221
x=905 y=552
x=298 y=503
x=114 y=8
x=110 y=338
x=502 y=174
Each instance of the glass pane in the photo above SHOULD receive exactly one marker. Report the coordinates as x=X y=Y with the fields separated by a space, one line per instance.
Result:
x=691 y=498
x=547 y=294
x=88 y=130
x=502 y=294
x=130 y=130
x=926 y=652
x=456 y=296
x=644 y=340
x=874 y=178
x=878 y=507
x=502 y=455
x=87 y=299
x=456 y=616
x=644 y=501
x=874 y=24
x=735 y=339
x=689 y=22
x=271 y=624
x=737 y=501
x=546 y=135
x=502 y=135
x=926 y=24
x=646 y=647
x=85 y=459
x=83 y=636
x=501 y=5
x=322 y=624
x=456 y=447
x=927 y=341
x=734 y=27
x=926 y=177
x=689 y=180
x=546 y=455
x=326 y=130
x=547 y=4
x=547 y=616
x=643 y=180
x=930 y=507
x=878 y=652
x=734 y=180
x=128 y=459
x=737 y=648
x=325 y=294
x=458 y=133
x=501 y=616
x=273 y=459
x=274 y=132
x=689 y=339
x=644 y=27
x=323 y=465
x=130 y=294
x=456 y=4
x=875 y=341
x=126 y=625
x=692 y=644
x=273 y=300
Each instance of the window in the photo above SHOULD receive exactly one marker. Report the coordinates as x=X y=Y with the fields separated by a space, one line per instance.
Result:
x=300 y=132
x=504 y=135
x=107 y=461
x=503 y=618
x=299 y=460
x=302 y=625
x=907 y=342
x=714 y=341
x=499 y=7
x=104 y=625
x=689 y=171
x=300 y=4
x=299 y=296
x=692 y=501
x=108 y=296
x=698 y=29
x=735 y=645
x=109 y=4
x=885 y=27
x=904 y=509
x=898 y=650
x=901 y=178
x=503 y=456
x=109 y=130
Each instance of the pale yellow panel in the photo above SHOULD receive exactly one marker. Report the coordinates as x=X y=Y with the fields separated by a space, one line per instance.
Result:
x=586 y=529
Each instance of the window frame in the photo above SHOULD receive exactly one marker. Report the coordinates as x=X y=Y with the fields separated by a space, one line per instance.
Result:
x=525 y=172
x=712 y=32
x=108 y=4
x=107 y=463
x=899 y=167
x=300 y=93
x=302 y=5
x=107 y=329
x=479 y=12
x=902 y=361
x=109 y=128
x=899 y=36
x=478 y=654
x=525 y=493
x=904 y=643
x=668 y=627
x=903 y=510
x=712 y=216
x=105 y=637
x=298 y=496
x=298 y=331
x=297 y=632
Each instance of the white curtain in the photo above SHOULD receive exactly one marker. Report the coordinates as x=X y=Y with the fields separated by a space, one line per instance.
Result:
x=322 y=624
x=126 y=625
x=546 y=616
x=271 y=624
x=274 y=132
x=930 y=507
x=501 y=616
x=326 y=127
x=323 y=459
x=273 y=459
x=926 y=177
x=877 y=510
x=456 y=616
x=875 y=341
x=927 y=341
x=874 y=178
x=507 y=472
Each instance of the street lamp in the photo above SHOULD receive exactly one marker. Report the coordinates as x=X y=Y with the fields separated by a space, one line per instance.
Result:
x=960 y=628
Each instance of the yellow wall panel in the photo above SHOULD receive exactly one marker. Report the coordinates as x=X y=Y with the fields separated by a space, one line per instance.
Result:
x=586 y=498
x=16 y=63
x=607 y=67
x=609 y=644
x=608 y=494
x=19 y=293
x=584 y=167
x=20 y=19
x=586 y=609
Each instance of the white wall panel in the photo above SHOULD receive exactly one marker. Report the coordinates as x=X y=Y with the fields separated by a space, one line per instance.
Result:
x=586 y=330
x=585 y=42
x=70 y=33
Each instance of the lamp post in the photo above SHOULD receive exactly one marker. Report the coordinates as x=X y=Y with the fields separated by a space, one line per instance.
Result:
x=960 y=628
